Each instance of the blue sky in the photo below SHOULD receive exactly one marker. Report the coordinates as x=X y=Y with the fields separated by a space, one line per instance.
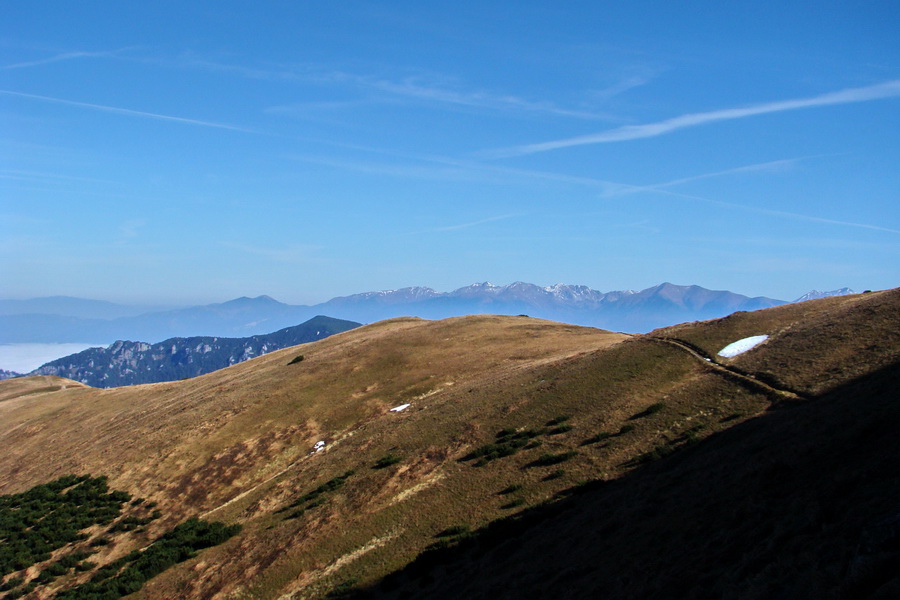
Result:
x=188 y=152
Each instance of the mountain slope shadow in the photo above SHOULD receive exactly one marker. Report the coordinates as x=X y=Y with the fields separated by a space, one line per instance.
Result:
x=801 y=502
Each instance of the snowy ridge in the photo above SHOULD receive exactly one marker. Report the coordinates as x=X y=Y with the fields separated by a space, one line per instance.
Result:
x=625 y=310
x=816 y=294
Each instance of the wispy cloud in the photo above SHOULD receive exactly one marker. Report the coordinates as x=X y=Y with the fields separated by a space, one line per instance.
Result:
x=443 y=172
x=312 y=109
x=769 y=167
x=813 y=219
x=62 y=57
x=41 y=176
x=195 y=62
x=776 y=213
x=61 y=190
x=128 y=112
x=770 y=242
x=411 y=88
x=129 y=230
x=294 y=253
x=620 y=87
x=611 y=188
x=428 y=88
x=480 y=222
x=888 y=89
x=452 y=168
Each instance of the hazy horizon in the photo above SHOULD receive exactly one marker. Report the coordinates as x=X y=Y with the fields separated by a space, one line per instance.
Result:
x=164 y=307
x=193 y=153
x=26 y=357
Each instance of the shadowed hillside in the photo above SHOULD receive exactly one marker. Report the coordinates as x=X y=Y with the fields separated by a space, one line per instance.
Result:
x=637 y=467
x=798 y=503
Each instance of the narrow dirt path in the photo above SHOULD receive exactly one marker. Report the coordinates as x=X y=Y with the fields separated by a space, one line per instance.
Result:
x=732 y=373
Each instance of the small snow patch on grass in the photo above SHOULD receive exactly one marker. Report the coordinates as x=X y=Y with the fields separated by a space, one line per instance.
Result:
x=741 y=346
x=399 y=408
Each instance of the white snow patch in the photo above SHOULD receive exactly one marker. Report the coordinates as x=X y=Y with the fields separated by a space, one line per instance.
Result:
x=399 y=408
x=741 y=346
x=318 y=447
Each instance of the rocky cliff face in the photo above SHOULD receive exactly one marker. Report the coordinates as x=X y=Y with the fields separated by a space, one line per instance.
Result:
x=131 y=363
x=4 y=374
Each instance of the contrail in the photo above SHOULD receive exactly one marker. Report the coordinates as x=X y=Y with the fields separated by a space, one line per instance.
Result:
x=887 y=89
x=129 y=112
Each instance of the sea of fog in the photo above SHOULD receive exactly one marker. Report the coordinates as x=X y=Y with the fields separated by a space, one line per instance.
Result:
x=23 y=358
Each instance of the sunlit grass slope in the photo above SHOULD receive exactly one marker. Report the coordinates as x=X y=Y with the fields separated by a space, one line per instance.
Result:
x=505 y=413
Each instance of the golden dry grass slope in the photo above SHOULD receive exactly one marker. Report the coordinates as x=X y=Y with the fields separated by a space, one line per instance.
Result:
x=574 y=404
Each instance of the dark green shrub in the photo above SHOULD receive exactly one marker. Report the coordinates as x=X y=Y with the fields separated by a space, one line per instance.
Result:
x=510 y=489
x=45 y=577
x=508 y=442
x=558 y=419
x=386 y=461
x=555 y=475
x=600 y=437
x=85 y=566
x=35 y=523
x=560 y=429
x=691 y=436
x=68 y=561
x=11 y=583
x=553 y=459
x=129 y=523
x=296 y=359
x=453 y=531
x=327 y=487
x=514 y=503
x=660 y=451
x=731 y=417
x=179 y=544
x=650 y=410
x=342 y=590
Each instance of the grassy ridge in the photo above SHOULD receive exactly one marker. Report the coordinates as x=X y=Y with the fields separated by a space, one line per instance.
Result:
x=549 y=412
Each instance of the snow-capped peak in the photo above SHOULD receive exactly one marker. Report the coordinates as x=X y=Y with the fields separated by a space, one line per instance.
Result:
x=816 y=294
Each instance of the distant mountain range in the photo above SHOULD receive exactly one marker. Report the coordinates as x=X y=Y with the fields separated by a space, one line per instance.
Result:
x=76 y=320
x=67 y=306
x=131 y=363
